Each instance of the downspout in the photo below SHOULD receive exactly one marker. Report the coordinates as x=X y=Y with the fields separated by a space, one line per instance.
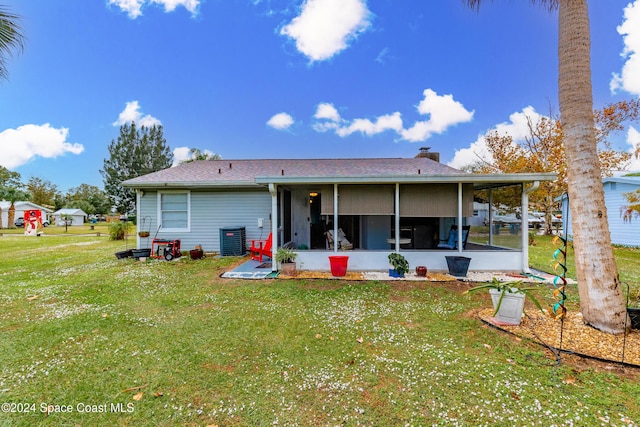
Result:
x=490 y=216
x=335 y=217
x=525 y=224
x=460 y=241
x=139 y=194
x=397 y=218
x=273 y=190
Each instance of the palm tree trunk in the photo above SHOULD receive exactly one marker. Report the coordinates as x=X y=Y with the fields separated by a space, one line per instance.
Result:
x=11 y=215
x=601 y=297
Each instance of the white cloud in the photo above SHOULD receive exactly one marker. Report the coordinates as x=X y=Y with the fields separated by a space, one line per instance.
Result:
x=327 y=111
x=326 y=27
x=443 y=112
x=629 y=79
x=633 y=139
x=517 y=128
x=369 y=128
x=21 y=145
x=132 y=113
x=280 y=121
x=133 y=8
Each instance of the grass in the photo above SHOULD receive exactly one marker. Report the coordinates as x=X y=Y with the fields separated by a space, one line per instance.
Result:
x=119 y=342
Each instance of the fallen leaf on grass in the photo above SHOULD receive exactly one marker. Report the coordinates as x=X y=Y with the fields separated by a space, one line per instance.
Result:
x=360 y=340
x=515 y=395
x=135 y=388
x=569 y=380
x=138 y=396
x=487 y=346
x=318 y=335
x=157 y=394
x=31 y=298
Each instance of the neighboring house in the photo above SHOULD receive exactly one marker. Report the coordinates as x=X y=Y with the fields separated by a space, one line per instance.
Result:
x=624 y=231
x=77 y=216
x=382 y=205
x=20 y=208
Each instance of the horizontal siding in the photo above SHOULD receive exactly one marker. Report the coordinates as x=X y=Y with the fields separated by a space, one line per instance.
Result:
x=622 y=233
x=211 y=211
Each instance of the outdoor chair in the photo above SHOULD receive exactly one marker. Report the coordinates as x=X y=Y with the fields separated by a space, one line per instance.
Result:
x=343 y=243
x=260 y=248
x=452 y=241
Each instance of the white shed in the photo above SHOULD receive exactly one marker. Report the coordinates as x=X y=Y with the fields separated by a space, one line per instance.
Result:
x=77 y=216
x=20 y=208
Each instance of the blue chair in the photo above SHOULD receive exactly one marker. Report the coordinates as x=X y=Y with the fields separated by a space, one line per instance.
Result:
x=452 y=241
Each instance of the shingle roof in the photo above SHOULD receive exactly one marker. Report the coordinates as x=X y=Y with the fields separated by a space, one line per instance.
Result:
x=239 y=172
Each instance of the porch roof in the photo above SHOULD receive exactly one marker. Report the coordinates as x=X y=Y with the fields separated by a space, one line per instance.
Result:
x=260 y=172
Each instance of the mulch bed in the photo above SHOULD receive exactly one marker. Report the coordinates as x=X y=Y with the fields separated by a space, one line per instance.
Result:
x=577 y=338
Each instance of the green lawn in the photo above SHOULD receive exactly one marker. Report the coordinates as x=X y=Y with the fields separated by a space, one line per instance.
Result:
x=118 y=342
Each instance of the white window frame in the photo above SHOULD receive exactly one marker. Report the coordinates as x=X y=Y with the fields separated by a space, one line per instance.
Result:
x=162 y=228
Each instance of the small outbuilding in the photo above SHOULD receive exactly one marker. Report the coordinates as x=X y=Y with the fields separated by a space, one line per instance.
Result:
x=19 y=213
x=74 y=216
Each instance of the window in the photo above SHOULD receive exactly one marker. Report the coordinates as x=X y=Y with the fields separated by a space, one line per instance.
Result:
x=173 y=210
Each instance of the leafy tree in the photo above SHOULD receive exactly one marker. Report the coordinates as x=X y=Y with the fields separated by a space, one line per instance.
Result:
x=11 y=37
x=542 y=151
x=9 y=178
x=43 y=192
x=89 y=198
x=601 y=297
x=136 y=152
x=197 y=154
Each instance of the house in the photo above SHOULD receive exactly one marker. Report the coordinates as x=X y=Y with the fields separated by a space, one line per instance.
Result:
x=624 y=231
x=382 y=205
x=19 y=213
x=77 y=216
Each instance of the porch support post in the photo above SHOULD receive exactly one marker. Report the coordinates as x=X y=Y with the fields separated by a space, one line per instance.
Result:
x=335 y=217
x=460 y=244
x=139 y=194
x=397 y=217
x=273 y=190
x=490 y=216
x=525 y=224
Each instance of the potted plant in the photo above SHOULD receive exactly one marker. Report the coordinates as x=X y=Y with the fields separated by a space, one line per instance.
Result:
x=286 y=258
x=508 y=299
x=399 y=263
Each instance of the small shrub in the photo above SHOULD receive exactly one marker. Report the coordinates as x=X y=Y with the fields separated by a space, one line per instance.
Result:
x=117 y=230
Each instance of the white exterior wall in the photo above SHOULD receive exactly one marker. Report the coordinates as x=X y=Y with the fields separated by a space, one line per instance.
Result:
x=210 y=211
x=622 y=233
x=434 y=260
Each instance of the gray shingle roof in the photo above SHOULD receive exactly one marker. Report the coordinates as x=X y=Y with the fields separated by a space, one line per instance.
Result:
x=245 y=172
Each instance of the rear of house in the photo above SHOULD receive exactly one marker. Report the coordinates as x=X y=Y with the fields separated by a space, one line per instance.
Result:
x=381 y=205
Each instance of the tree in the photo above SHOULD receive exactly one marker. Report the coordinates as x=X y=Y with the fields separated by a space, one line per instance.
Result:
x=43 y=192
x=136 y=152
x=11 y=37
x=197 y=154
x=10 y=190
x=89 y=198
x=601 y=297
x=542 y=151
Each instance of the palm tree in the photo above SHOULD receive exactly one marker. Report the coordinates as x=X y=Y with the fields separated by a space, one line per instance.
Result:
x=10 y=37
x=601 y=296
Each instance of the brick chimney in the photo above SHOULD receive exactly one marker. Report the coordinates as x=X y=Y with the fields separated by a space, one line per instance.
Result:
x=424 y=152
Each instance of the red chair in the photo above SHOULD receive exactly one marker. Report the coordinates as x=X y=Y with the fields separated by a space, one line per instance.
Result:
x=260 y=248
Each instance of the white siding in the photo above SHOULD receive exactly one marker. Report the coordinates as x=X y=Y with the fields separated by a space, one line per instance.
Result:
x=622 y=233
x=210 y=211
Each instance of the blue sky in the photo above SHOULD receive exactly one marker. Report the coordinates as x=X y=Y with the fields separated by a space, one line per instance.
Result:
x=292 y=79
